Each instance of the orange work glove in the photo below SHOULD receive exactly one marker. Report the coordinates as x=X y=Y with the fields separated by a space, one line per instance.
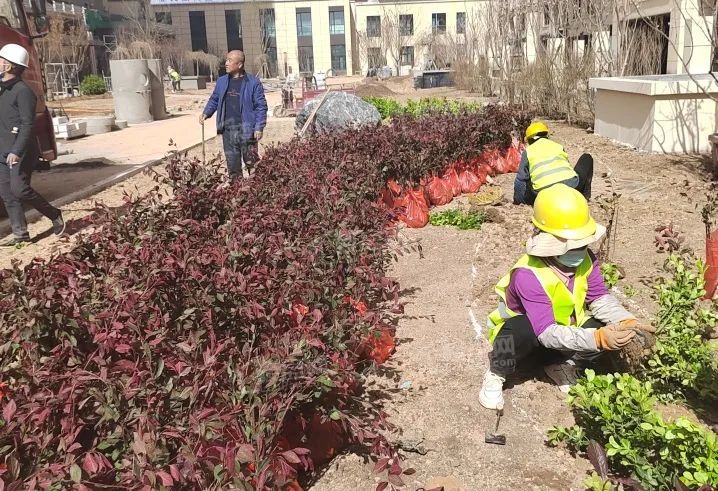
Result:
x=612 y=337
x=635 y=324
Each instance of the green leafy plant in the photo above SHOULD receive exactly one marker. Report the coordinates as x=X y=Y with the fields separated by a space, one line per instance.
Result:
x=463 y=220
x=611 y=274
x=93 y=85
x=386 y=106
x=618 y=412
x=389 y=108
x=683 y=363
x=630 y=291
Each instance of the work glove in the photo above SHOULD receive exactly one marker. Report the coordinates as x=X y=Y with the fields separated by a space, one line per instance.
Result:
x=636 y=324
x=612 y=337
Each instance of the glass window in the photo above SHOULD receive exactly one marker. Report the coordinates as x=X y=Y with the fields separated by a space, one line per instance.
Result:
x=267 y=26
x=460 y=22
x=407 y=55
x=10 y=15
x=339 y=57
x=163 y=18
x=233 y=22
x=304 y=23
x=198 y=30
x=336 y=22
x=306 y=59
x=373 y=26
x=438 y=23
x=406 y=25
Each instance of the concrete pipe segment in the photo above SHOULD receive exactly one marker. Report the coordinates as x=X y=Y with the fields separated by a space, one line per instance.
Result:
x=132 y=90
x=97 y=125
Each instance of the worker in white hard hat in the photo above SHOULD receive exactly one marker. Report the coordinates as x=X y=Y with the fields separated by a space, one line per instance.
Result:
x=19 y=152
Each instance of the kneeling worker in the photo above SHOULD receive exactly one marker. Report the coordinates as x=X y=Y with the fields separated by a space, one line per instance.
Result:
x=543 y=299
x=545 y=163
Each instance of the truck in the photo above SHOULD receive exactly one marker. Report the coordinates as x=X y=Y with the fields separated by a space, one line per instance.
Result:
x=24 y=26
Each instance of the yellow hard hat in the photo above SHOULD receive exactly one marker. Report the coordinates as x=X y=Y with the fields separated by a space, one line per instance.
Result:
x=563 y=212
x=534 y=129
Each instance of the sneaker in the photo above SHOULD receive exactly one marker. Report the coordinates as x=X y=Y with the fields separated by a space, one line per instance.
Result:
x=13 y=241
x=564 y=375
x=58 y=225
x=491 y=395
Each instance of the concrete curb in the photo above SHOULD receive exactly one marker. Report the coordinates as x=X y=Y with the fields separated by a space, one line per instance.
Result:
x=34 y=215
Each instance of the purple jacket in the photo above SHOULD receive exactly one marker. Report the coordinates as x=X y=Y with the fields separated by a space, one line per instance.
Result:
x=525 y=295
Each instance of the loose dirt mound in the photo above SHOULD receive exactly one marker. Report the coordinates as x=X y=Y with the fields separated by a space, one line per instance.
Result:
x=373 y=88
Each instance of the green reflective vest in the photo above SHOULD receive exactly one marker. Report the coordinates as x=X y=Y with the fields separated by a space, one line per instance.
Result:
x=548 y=164
x=564 y=303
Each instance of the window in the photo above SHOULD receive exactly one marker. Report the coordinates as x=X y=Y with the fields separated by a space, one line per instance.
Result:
x=304 y=23
x=546 y=15
x=406 y=25
x=407 y=55
x=373 y=26
x=336 y=21
x=233 y=21
x=438 y=23
x=339 y=57
x=163 y=18
x=460 y=22
x=198 y=30
x=266 y=23
x=375 y=58
x=306 y=59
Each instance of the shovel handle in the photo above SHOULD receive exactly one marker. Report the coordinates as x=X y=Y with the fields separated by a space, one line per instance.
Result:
x=204 y=156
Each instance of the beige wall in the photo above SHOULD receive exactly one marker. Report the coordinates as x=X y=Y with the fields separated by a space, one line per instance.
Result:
x=666 y=114
x=422 y=16
x=286 y=30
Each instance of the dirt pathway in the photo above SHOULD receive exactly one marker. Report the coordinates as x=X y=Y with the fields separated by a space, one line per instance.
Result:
x=440 y=355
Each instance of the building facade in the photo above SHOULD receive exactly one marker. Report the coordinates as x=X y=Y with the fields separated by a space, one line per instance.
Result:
x=278 y=37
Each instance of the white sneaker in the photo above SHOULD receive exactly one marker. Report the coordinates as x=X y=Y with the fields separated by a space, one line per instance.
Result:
x=491 y=395
x=564 y=375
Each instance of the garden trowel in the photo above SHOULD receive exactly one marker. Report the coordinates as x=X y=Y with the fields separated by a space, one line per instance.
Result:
x=494 y=436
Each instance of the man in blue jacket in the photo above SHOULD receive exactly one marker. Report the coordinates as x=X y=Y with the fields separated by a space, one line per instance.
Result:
x=238 y=99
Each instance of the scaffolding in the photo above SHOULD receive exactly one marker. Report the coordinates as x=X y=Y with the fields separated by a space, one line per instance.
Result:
x=62 y=79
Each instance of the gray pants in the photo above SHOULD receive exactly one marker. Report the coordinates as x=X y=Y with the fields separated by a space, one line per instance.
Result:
x=15 y=190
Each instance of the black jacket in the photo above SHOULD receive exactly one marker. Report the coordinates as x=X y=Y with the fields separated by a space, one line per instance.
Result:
x=17 y=115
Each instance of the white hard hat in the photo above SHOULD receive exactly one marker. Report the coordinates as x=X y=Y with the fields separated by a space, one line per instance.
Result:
x=15 y=54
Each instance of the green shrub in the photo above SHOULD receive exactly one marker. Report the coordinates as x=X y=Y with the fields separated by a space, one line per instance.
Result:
x=92 y=85
x=683 y=362
x=618 y=412
x=389 y=108
x=463 y=220
x=611 y=274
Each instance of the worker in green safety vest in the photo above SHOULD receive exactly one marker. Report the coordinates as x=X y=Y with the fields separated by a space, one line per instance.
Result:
x=175 y=78
x=543 y=299
x=545 y=163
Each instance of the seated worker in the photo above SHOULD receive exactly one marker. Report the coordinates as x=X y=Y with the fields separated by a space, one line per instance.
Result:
x=545 y=163
x=543 y=299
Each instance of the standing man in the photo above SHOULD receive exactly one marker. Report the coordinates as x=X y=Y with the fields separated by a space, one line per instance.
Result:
x=175 y=78
x=545 y=163
x=238 y=99
x=18 y=148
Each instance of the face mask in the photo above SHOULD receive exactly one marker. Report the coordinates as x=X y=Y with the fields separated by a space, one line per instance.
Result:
x=572 y=259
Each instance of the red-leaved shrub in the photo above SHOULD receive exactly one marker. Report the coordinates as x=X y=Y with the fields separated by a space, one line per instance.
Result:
x=183 y=342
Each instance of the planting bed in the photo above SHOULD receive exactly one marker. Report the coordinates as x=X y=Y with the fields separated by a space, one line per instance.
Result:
x=212 y=338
